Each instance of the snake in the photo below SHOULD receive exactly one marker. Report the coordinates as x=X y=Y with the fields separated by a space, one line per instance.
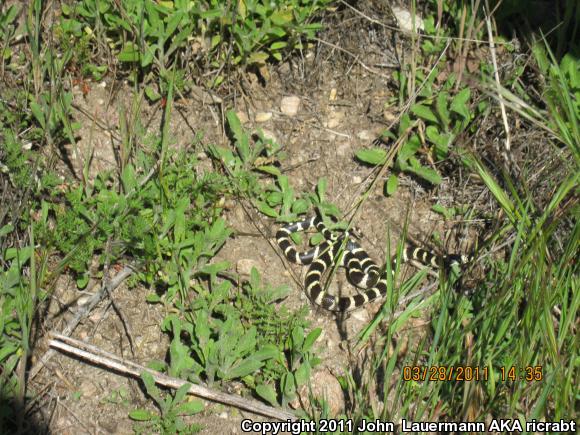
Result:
x=342 y=251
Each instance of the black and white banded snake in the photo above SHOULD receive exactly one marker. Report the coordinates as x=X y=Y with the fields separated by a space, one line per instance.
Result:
x=361 y=270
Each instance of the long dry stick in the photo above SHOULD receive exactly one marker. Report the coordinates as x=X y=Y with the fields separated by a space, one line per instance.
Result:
x=102 y=358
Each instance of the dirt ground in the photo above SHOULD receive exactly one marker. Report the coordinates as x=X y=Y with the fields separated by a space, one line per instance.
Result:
x=341 y=110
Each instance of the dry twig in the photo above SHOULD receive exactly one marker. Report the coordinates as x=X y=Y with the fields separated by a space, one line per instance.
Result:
x=99 y=357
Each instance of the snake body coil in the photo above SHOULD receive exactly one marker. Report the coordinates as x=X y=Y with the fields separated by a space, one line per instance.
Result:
x=361 y=270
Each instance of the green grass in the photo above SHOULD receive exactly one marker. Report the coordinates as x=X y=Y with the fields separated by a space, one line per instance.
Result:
x=159 y=211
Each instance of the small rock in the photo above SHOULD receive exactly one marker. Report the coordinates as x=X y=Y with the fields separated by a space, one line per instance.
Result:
x=405 y=21
x=365 y=135
x=356 y=179
x=244 y=266
x=223 y=415
x=388 y=115
x=84 y=300
x=289 y=105
x=242 y=117
x=263 y=116
x=332 y=96
x=335 y=119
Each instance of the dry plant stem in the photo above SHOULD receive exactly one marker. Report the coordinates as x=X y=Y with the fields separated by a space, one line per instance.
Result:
x=496 y=76
x=81 y=313
x=99 y=357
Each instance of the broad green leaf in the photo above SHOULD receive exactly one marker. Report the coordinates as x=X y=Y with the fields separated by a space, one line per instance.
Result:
x=258 y=57
x=300 y=206
x=302 y=374
x=373 y=156
x=408 y=149
x=288 y=384
x=426 y=173
x=424 y=112
x=267 y=352
x=150 y=386
x=141 y=415
x=274 y=198
x=266 y=209
x=245 y=367
x=173 y=22
x=38 y=114
x=242 y=141
x=190 y=408
x=215 y=40
x=151 y=93
x=280 y=18
x=181 y=392
x=269 y=169
x=297 y=337
x=6 y=229
x=267 y=393
x=153 y=298
x=321 y=188
x=459 y=103
x=391 y=185
x=129 y=53
x=316 y=239
x=404 y=124
x=441 y=141
x=82 y=280
x=442 y=109
x=311 y=338
x=6 y=350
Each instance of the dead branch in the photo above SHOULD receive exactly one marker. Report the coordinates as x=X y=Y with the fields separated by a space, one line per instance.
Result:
x=102 y=358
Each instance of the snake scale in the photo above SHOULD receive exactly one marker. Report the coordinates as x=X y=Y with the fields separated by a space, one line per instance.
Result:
x=361 y=270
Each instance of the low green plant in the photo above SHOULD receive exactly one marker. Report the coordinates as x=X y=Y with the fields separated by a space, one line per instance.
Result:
x=227 y=336
x=438 y=113
x=8 y=18
x=18 y=298
x=562 y=96
x=252 y=154
x=184 y=231
x=172 y=407
x=439 y=109
x=155 y=36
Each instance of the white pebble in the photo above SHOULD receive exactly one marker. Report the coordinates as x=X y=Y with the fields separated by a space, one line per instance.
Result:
x=263 y=116
x=289 y=105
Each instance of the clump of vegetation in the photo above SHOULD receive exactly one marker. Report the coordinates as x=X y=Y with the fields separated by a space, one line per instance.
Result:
x=179 y=38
